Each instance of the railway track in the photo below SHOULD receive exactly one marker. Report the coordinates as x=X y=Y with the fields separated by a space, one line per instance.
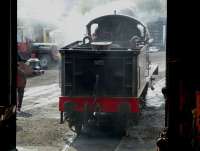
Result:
x=97 y=142
x=105 y=143
x=71 y=137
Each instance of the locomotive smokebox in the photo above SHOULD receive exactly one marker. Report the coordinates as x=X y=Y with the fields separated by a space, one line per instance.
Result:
x=105 y=45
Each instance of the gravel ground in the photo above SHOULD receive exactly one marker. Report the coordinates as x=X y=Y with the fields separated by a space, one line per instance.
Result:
x=38 y=127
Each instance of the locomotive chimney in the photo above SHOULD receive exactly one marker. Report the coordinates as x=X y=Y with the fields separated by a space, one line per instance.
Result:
x=115 y=12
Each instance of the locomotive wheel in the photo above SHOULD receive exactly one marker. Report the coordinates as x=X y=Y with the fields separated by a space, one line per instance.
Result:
x=79 y=123
x=120 y=130
x=78 y=127
x=75 y=123
x=45 y=60
x=120 y=125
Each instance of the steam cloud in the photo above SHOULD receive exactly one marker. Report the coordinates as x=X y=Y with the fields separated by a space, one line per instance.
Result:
x=69 y=17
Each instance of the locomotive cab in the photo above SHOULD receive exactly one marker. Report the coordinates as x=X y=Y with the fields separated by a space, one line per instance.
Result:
x=106 y=78
x=122 y=31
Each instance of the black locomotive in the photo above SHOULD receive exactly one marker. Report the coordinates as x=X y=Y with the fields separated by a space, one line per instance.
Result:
x=105 y=76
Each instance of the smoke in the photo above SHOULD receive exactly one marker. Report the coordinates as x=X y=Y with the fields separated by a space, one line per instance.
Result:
x=151 y=10
x=69 y=17
x=41 y=11
x=144 y=10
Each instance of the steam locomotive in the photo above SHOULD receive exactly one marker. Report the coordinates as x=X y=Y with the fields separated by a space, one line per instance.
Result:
x=105 y=77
